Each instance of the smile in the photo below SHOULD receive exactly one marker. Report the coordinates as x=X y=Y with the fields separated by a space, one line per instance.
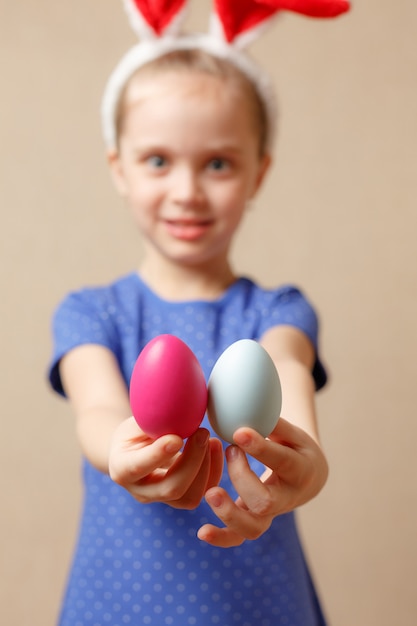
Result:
x=187 y=230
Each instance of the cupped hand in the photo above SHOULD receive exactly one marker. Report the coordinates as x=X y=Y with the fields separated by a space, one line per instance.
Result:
x=160 y=470
x=296 y=470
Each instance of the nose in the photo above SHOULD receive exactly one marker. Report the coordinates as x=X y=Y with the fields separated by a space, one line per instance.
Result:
x=186 y=187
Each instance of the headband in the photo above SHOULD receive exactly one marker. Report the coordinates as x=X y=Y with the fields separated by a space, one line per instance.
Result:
x=234 y=24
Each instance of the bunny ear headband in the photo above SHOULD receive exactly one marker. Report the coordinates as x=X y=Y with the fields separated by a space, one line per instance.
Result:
x=234 y=25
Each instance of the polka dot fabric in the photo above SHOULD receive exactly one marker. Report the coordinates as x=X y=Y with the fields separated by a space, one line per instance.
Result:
x=143 y=564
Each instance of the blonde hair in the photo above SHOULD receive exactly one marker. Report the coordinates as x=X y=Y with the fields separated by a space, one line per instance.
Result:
x=200 y=61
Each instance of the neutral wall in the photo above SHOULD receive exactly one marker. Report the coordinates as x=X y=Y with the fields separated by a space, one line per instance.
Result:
x=338 y=216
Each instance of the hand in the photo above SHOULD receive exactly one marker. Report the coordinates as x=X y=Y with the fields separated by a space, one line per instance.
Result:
x=296 y=472
x=158 y=471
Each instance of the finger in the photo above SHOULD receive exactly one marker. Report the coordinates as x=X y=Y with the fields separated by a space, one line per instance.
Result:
x=253 y=493
x=173 y=484
x=208 y=475
x=219 y=537
x=282 y=458
x=216 y=463
x=141 y=456
x=299 y=467
x=192 y=496
x=189 y=462
x=305 y=457
x=238 y=521
x=289 y=434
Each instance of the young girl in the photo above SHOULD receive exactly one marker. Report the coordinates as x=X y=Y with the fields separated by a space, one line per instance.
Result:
x=191 y=138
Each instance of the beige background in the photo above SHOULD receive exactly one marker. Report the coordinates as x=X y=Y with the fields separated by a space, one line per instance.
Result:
x=337 y=216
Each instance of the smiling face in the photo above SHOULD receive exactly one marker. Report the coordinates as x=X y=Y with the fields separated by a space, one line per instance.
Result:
x=188 y=162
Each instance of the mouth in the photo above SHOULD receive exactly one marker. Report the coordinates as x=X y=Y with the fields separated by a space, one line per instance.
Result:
x=187 y=229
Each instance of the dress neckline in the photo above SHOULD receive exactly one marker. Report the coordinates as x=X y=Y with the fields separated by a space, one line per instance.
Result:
x=226 y=295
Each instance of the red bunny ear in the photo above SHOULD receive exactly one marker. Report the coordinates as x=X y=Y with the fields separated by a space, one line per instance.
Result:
x=313 y=8
x=239 y=17
x=158 y=15
x=244 y=16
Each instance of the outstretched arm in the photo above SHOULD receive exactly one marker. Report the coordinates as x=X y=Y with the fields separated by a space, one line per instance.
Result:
x=296 y=468
x=111 y=440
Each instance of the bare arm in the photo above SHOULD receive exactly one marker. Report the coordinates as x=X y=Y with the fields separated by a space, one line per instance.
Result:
x=293 y=355
x=93 y=382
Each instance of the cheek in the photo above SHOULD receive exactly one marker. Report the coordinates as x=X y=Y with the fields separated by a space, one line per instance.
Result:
x=231 y=199
x=145 y=196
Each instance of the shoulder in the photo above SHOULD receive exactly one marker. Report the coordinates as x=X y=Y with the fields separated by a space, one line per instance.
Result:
x=97 y=300
x=288 y=305
x=285 y=303
x=98 y=315
x=261 y=292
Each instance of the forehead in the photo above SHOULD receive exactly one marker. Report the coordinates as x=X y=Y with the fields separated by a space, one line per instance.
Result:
x=198 y=95
x=181 y=84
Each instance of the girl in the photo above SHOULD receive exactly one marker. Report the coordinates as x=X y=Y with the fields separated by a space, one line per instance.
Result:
x=191 y=137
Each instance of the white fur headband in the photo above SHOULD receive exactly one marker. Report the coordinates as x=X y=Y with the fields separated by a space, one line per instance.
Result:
x=234 y=25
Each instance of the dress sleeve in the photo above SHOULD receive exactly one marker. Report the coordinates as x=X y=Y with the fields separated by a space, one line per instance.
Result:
x=77 y=321
x=289 y=306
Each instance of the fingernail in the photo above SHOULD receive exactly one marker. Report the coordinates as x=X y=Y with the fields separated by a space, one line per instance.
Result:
x=232 y=453
x=243 y=439
x=202 y=437
x=172 y=447
x=214 y=499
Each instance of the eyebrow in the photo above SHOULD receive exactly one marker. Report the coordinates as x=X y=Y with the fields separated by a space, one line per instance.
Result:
x=139 y=148
x=221 y=148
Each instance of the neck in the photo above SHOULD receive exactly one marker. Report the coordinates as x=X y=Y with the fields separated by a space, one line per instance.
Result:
x=178 y=282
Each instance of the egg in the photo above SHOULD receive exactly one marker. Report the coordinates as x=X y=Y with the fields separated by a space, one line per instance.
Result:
x=168 y=391
x=244 y=390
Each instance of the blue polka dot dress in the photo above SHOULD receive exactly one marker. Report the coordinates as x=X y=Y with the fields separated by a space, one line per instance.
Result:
x=141 y=564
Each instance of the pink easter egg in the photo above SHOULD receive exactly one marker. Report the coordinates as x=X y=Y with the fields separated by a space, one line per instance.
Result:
x=168 y=391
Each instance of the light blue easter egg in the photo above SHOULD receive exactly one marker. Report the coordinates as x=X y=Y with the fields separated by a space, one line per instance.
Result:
x=244 y=390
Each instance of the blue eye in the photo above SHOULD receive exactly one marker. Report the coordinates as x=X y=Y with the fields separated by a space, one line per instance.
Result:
x=157 y=161
x=218 y=164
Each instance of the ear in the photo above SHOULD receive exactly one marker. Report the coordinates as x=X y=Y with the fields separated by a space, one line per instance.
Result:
x=264 y=165
x=116 y=171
